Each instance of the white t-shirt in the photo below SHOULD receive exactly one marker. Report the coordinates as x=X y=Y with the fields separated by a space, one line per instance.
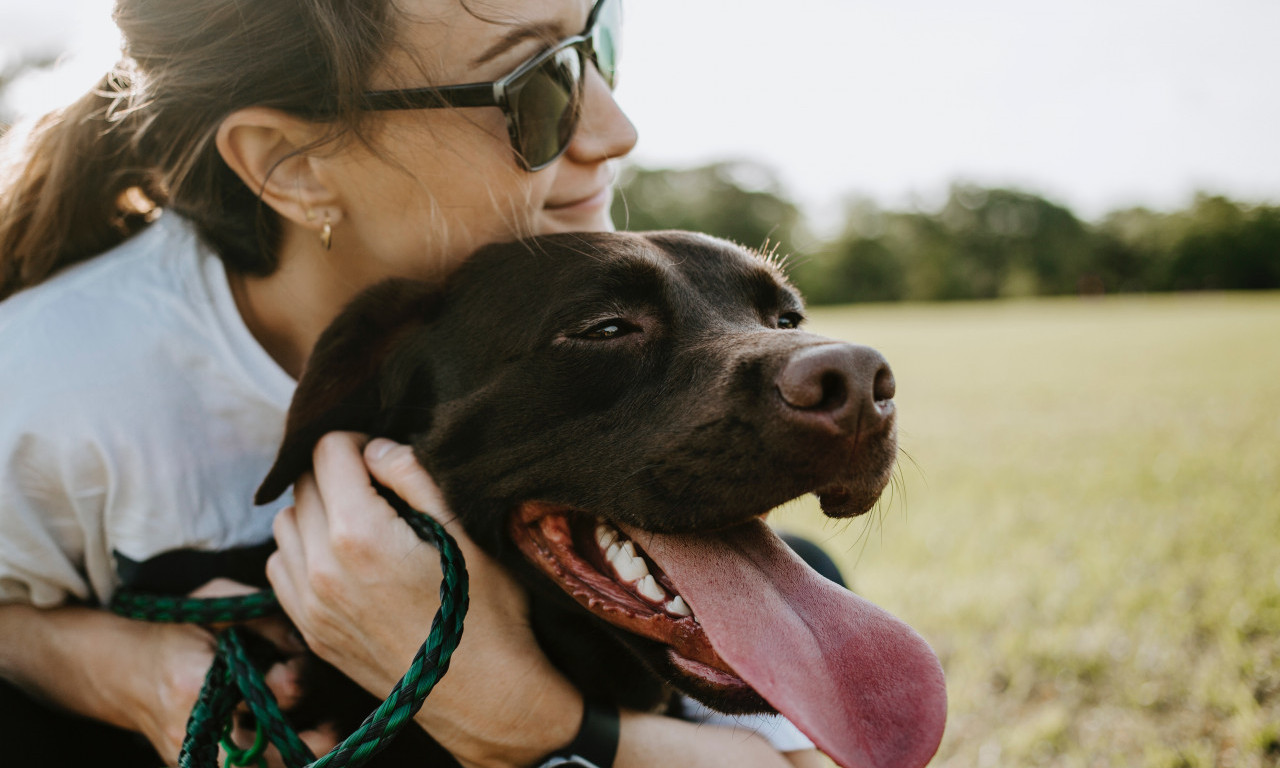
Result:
x=138 y=415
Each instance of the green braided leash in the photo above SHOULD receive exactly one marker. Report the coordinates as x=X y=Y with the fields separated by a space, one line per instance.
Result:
x=232 y=678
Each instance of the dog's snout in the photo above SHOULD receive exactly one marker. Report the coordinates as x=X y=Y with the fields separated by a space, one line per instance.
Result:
x=849 y=385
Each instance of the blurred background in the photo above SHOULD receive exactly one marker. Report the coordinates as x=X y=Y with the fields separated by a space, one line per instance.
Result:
x=1061 y=224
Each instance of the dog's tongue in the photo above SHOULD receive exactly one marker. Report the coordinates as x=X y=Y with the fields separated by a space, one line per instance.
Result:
x=863 y=685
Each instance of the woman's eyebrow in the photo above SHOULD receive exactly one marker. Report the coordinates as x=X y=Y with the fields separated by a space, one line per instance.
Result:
x=544 y=30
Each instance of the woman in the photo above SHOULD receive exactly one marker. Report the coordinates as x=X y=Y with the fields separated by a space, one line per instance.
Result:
x=153 y=359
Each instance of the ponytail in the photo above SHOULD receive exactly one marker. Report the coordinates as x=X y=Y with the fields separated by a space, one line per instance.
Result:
x=78 y=188
x=93 y=174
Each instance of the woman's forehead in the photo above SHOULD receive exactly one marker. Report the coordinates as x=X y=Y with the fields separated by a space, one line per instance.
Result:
x=456 y=41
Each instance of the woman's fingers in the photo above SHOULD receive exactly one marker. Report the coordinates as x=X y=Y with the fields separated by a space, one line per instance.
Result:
x=221 y=587
x=310 y=520
x=350 y=502
x=275 y=629
x=284 y=678
x=322 y=739
x=495 y=591
x=395 y=466
x=286 y=566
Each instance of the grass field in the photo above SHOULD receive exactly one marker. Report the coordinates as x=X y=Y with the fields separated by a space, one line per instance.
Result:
x=1086 y=525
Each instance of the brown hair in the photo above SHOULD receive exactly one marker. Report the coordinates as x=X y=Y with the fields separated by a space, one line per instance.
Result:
x=90 y=174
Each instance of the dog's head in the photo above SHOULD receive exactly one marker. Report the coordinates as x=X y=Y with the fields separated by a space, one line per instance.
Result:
x=610 y=415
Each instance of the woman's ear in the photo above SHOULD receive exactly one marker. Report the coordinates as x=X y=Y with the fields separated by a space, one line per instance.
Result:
x=267 y=149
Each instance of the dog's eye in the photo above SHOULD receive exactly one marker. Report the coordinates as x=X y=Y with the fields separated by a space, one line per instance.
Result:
x=608 y=329
x=790 y=320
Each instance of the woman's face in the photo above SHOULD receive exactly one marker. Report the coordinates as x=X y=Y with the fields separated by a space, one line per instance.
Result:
x=438 y=183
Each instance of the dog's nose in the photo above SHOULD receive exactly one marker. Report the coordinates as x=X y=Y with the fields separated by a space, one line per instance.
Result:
x=852 y=386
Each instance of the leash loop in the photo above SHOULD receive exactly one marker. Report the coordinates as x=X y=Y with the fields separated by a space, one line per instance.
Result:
x=254 y=755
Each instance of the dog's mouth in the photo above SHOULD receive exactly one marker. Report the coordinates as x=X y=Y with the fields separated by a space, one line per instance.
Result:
x=606 y=572
x=743 y=618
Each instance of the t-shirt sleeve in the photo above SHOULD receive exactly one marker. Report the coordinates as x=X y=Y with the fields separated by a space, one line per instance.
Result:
x=52 y=488
x=775 y=729
x=49 y=504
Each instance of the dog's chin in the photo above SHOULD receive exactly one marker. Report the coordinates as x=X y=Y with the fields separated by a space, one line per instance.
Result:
x=856 y=492
x=850 y=499
x=722 y=691
x=611 y=577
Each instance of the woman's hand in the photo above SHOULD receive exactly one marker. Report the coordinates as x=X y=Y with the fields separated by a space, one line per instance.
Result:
x=183 y=652
x=362 y=588
x=169 y=662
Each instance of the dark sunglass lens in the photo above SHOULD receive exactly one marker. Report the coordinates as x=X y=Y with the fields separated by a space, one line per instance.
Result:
x=546 y=107
x=605 y=38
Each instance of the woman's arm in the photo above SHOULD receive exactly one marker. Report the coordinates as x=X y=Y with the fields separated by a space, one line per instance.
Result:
x=136 y=675
x=131 y=674
x=362 y=589
x=650 y=740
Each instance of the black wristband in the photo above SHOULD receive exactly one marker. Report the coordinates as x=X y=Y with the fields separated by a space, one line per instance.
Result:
x=596 y=744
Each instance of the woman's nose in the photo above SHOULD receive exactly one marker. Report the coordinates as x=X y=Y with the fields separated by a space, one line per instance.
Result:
x=604 y=132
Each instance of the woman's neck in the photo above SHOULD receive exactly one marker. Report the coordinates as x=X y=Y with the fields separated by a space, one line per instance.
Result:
x=287 y=310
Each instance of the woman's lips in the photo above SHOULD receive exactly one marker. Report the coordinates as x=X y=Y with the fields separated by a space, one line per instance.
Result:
x=597 y=199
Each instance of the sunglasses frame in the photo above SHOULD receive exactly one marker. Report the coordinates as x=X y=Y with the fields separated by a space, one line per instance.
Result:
x=497 y=93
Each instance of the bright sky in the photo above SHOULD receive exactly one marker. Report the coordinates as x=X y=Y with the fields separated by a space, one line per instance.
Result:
x=1094 y=103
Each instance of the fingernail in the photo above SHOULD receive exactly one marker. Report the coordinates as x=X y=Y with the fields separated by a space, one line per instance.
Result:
x=378 y=447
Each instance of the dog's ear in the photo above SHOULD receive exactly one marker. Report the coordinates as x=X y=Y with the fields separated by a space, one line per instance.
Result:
x=351 y=379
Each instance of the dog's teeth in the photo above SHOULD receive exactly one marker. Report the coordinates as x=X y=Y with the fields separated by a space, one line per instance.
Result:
x=605 y=535
x=612 y=550
x=627 y=563
x=631 y=570
x=679 y=607
x=649 y=589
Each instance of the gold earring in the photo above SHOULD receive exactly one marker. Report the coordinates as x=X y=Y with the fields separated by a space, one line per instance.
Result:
x=326 y=232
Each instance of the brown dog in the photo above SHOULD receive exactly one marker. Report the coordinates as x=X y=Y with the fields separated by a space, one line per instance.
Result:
x=610 y=415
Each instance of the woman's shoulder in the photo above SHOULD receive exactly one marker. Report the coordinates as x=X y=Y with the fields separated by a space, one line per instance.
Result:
x=147 y=322
x=161 y=259
x=96 y=316
x=158 y=299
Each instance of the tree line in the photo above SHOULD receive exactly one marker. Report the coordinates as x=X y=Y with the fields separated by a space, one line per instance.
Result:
x=982 y=243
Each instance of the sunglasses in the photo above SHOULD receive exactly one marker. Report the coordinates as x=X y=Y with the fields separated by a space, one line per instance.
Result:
x=541 y=98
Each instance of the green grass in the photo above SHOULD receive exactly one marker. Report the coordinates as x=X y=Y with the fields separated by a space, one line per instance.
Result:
x=1086 y=524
